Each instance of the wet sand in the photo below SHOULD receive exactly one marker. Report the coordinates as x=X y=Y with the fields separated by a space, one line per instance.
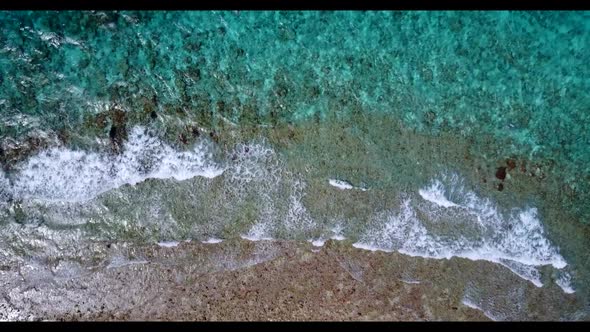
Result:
x=279 y=280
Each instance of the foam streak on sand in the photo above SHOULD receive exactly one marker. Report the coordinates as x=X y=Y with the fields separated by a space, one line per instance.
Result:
x=121 y=261
x=564 y=281
x=343 y=185
x=213 y=241
x=513 y=239
x=337 y=233
x=318 y=242
x=255 y=238
x=169 y=244
x=340 y=184
x=470 y=304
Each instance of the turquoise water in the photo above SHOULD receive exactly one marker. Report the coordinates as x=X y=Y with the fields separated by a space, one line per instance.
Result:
x=401 y=107
x=520 y=77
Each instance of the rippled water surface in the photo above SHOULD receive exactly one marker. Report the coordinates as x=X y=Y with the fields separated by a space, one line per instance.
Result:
x=437 y=135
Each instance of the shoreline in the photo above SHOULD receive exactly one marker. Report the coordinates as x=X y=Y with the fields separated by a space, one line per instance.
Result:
x=287 y=280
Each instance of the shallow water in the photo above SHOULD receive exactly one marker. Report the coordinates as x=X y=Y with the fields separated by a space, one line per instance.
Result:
x=436 y=135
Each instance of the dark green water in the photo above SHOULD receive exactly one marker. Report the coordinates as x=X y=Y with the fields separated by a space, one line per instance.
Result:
x=451 y=133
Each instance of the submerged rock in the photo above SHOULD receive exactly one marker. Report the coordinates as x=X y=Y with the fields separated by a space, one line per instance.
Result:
x=501 y=173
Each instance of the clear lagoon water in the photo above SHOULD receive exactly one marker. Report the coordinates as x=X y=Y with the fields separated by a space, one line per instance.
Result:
x=432 y=134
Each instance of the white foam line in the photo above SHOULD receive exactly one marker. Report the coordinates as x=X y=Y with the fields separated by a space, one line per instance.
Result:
x=535 y=281
x=254 y=238
x=566 y=289
x=168 y=244
x=212 y=241
x=343 y=185
x=369 y=247
x=318 y=242
x=521 y=269
x=340 y=184
x=411 y=282
x=564 y=282
x=60 y=174
x=337 y=233
x=436 y=195
x=517 y=269
x=363 y=246
x=116 y=265
x=472 y=305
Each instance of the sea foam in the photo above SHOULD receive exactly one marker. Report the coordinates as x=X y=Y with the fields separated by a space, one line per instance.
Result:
x=61 y=174
x=468 y=226
x=435 y=194
x=212 y=240
x=169 y=244
x=343 y=185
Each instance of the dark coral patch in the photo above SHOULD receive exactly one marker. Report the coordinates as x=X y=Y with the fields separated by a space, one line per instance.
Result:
x=511 y=164
x=183 y=139
x=501 y=173
x=195 y=131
